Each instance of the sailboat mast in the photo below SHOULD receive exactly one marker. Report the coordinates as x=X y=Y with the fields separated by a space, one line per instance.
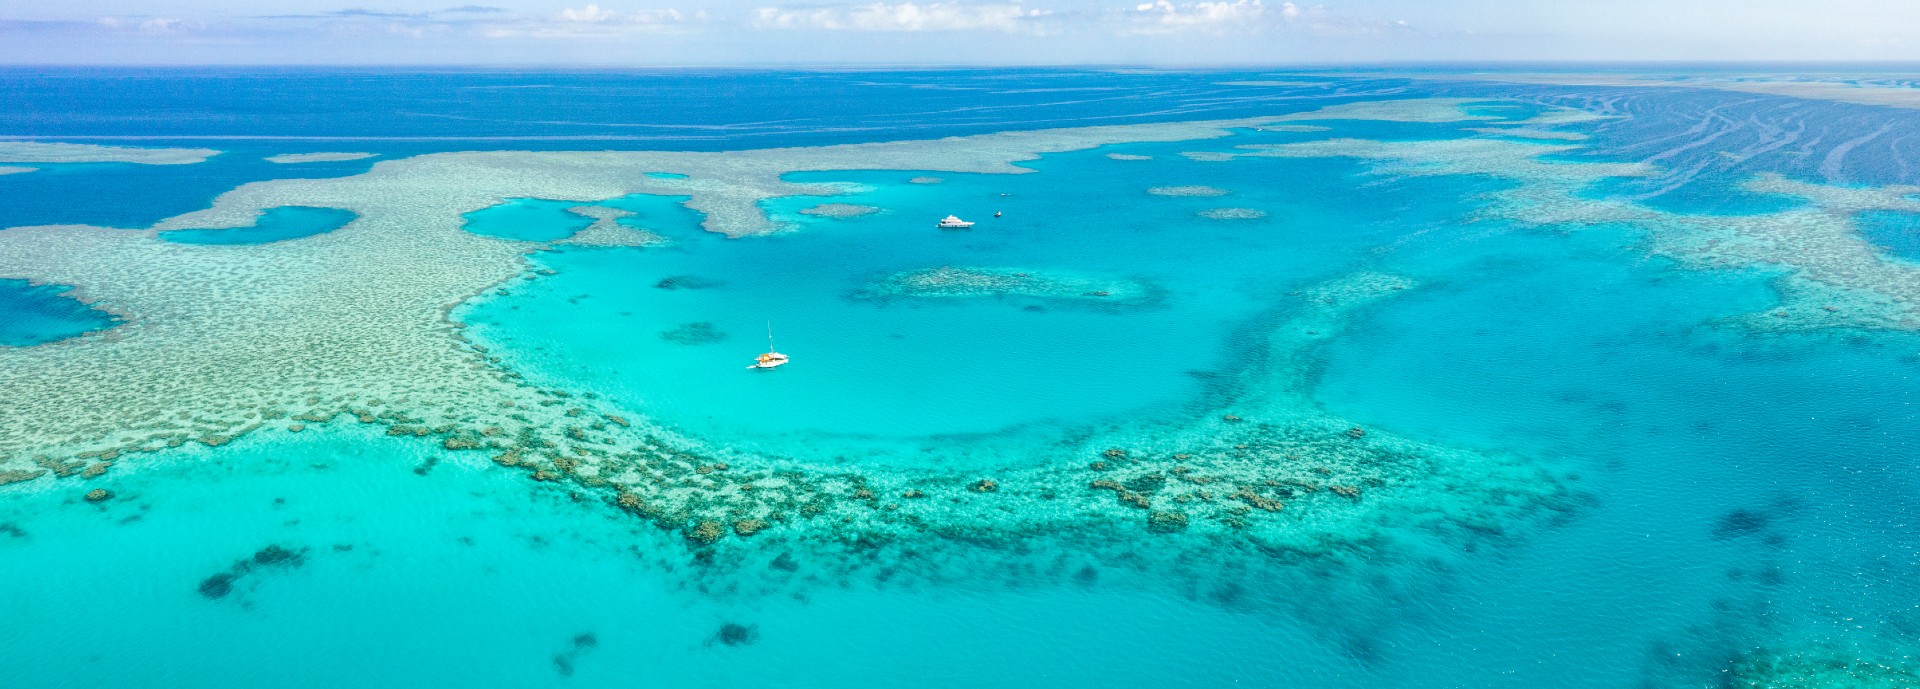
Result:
x=770 y=336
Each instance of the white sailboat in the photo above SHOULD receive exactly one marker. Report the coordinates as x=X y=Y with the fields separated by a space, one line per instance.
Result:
x=771 y=359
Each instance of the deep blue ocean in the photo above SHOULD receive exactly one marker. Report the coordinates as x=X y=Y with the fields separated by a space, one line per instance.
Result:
x=1737 y=494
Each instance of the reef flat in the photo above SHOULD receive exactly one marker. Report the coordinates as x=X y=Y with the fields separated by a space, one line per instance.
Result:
x=1233 y=214
x=1194 y=190
x=12 y=170
x=297 y=158
x=839 y=210
x=1829 y=275
x=353 y=324
x=607 y=230
x=35 y=152
x=1863 y=92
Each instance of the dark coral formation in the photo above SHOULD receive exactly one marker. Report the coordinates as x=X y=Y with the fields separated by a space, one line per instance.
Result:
x=697 y=333
x=220 y=584
x=688 y=282
x=1740 y=523
x=20 y=475
x=733 y=634
x=563 y=661
x=1166 y=521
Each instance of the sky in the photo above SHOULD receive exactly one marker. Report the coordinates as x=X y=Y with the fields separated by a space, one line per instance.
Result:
x=961 y=32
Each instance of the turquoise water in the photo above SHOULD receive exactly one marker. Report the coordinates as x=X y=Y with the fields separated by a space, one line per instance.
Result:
x=1736 y=491
x=1898 y=233
x=892 y=377
x=417 y=572
x=275 y=225
x=529 y=220
x=38 y=314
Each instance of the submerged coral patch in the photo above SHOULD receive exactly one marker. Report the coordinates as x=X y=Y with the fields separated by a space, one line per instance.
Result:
x=297 y=158
x=273 y=225
x=688 y=282
x=611 y=227
x=839 y=210
x=223 y=583
x=697 y=333
x=1529 y=133
x=1822 y=665
x=1233 y=214
x=963 y=282
x=1190 y=190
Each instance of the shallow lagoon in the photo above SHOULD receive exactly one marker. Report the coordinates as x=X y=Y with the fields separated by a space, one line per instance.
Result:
x=275 y=225
x=424 y=570
x=894 y=377
x=38 y=314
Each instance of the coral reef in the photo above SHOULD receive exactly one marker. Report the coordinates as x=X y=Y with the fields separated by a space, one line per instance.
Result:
x=296 y=158
x=1829 y=276
x=732 y=634
x=607 y=230
x=221 y=584
x=34 y=152
x=353 y=326
x=1820 y=666
x=972 y=282
x=1192 y=190
x=1233 y=214
x=839 y=210
x=697 y=333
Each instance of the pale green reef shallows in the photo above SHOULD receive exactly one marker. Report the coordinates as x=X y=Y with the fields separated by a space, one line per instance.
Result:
x=35 y=152
x=12 y=170
x=218 y=341
x=295 y=158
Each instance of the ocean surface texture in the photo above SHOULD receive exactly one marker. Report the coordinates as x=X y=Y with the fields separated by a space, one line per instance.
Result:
x=331 y=378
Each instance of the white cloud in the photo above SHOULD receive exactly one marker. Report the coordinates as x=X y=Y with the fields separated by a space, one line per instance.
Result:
x=905 y=16
x=1162 y=16
x=1240 y=16
x=147 y=25
x=591 y=21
